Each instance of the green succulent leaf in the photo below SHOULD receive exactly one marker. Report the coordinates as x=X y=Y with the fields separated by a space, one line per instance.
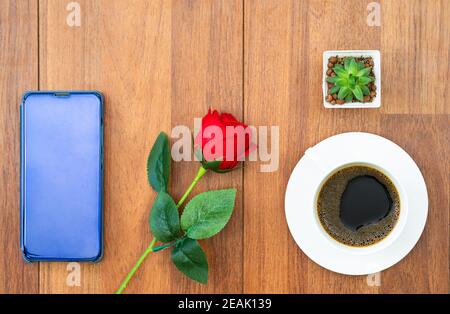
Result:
x=338 y=66
x=208 y=213
x=341 y=82
x=353 y=67
x=334 y=89
x=343 y=92
x=357 y=92
x=364 y=80
x=351 y=82
x=365 y=90
x=164 y=218
x=349 y=97
x=158 y=164
x=332 y=79
x=190 y=259
x=363 y=72
x=346 y=63
x=360 y=65
x=340 y=72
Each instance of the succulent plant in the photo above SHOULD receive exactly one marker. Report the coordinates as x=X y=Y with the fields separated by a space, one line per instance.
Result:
x=351 y=80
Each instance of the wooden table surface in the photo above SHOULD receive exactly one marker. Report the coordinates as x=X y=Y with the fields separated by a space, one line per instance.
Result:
x=161 y=63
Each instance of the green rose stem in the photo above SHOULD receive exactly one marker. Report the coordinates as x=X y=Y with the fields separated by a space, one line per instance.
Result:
x=201 y=172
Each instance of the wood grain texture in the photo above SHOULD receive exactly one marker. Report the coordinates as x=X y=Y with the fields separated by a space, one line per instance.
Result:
x=122 y=50
x=426 y=139
x=207 y=73
x=415 y=53
x=282 y=84
x=161 y=63
x=19 y=72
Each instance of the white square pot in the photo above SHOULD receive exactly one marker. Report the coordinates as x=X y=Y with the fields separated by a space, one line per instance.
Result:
x=375 y=54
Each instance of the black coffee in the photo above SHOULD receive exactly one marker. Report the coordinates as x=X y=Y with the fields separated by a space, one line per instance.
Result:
x=358 y=206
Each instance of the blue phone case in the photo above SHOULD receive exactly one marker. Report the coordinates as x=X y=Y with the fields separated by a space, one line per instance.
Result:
x=61 y=186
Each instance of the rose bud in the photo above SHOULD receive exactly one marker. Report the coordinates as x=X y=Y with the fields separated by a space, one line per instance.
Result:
x=222 y=142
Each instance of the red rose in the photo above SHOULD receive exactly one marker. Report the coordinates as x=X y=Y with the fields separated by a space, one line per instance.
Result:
x=223 y=141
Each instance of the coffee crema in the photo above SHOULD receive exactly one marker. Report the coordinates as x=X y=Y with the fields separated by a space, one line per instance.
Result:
x=358 y=206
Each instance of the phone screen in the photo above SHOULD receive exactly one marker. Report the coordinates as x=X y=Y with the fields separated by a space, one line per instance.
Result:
x=62 y=176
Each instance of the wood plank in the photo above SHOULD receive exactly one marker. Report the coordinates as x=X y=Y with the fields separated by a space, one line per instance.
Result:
x=426 y=268
x=122 y=50
x=415 y=56
x=282 y=82
x=283 y=71
x=19 y=64
x=159 y=64
x=267 y=49
x=207 y=72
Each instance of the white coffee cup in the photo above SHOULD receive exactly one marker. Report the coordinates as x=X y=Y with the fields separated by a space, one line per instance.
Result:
x=324 y=159
x=327 y=172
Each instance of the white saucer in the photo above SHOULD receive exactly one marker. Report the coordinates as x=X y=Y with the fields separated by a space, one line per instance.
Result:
x=315 y=167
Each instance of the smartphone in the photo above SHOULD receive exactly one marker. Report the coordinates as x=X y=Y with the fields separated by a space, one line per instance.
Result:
x=61 y=186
